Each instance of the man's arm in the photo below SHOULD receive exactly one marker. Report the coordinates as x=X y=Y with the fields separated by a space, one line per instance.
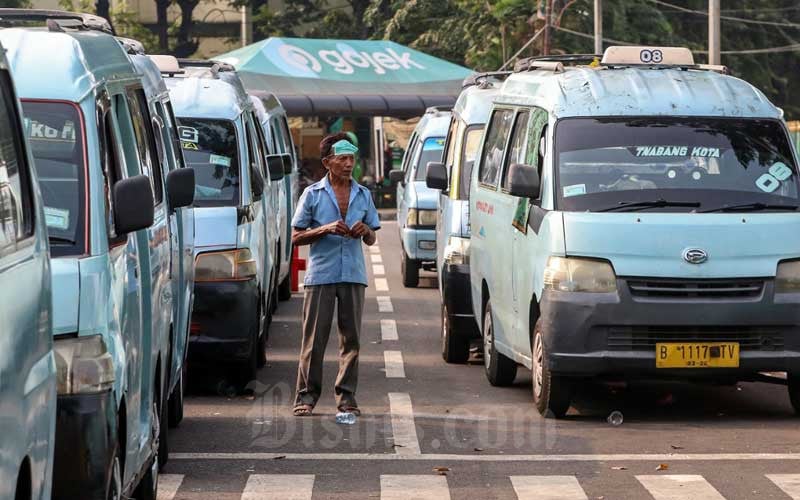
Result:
x=302 y=237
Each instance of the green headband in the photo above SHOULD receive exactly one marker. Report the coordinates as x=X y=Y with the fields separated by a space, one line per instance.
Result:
x=344 y=147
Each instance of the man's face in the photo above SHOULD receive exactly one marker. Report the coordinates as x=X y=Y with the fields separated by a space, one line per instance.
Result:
x=340 y=166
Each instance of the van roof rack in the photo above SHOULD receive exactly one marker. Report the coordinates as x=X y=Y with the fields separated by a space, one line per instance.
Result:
x=555 y=62
x=438 y=109
x=55 y=20
x=131 y=46
x=482 y=79
x=214 y=66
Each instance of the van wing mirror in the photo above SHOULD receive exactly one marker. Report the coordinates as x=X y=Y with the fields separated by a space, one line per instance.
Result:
x=436 y=176
x=180 y=188
x=133 y=204
x=275 y=166
x=396 y=176
x=524 y=181
x=287 y=164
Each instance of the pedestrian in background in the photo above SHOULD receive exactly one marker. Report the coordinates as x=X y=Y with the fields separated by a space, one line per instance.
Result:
x=334 y=216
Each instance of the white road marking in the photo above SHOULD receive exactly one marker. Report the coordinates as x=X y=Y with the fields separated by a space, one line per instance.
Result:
x=679 y=487
x=394 y=364
x=381 y=285
x=378 y=270
x=168 y=485
x=374 y=248
x=389 y=329
x=376 y=258
x=403 y=429
x=414 y=487
x=547 y=488
x=789 y=483
x=283 y=486
x=385 y=304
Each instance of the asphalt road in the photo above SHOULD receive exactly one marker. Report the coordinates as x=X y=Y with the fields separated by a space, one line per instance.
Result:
x=435 y=431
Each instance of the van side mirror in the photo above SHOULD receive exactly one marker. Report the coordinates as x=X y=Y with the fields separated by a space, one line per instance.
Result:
x=524 y=181
x=396 y=176
x=275 y=166
x=180 y=188
x=133 y=204
x=436 y=176
x=287 y=164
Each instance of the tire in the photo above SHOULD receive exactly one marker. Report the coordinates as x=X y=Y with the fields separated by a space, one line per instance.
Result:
x=175 y=402
x=261 y=342
x=163 y=436
x=114 y=486
x=410 y=271
x=500 y=370
x=285 y=288
x=794 y=392
x=248 y=370
x=551 y=393
x=147 y=489
x=455 y=349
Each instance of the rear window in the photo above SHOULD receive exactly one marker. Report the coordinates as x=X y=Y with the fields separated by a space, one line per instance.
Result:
x=211 y=149
x=432 y=150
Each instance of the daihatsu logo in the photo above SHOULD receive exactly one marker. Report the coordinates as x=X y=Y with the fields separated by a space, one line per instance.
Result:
x=695 y=255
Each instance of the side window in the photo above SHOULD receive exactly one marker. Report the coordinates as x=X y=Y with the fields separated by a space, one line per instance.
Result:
x=516 y=152
x=494 y=147
x=287 y=137
x=254 y=154
x=112 y=172
x=277 y=135
x=412 y=142
x=469 y=152
x=262 y=140
x=172 y=131
x=145 y=141
x=450 y=144
x=536 y=133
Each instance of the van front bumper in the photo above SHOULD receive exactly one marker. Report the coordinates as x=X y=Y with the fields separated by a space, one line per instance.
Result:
x=590 y=334
x=86 y=435
x=457 y=297
x=419 y=244
x=224 y=321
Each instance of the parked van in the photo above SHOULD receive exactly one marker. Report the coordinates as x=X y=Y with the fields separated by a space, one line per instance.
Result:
x=416 y=202
x=272 y=117
x=27 y=366
x=234 y=219
x=623 y=218
x=451 y=177
x=106 y=212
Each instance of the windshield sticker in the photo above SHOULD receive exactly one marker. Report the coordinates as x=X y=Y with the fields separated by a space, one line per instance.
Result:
x=189 y=134
x=41 y=131
x=56 y=218
x=696 y=152
x=190 y=145
x=222 y=161
x=771 y=181
x=574 y=190
x=780 y=171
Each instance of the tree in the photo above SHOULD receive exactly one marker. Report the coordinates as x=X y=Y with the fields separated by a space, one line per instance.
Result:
x=185 y=45
x=162 y=24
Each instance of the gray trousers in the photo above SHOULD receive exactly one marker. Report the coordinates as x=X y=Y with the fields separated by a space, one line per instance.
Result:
x=318 y=307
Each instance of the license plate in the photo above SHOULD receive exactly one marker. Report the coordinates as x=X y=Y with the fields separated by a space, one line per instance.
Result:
x=697 y=355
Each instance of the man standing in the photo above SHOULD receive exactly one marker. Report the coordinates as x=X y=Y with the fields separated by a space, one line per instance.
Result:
x=334 y=216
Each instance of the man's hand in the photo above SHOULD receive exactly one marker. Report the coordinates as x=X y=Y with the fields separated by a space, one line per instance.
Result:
x=338 y=228
x=360 y=230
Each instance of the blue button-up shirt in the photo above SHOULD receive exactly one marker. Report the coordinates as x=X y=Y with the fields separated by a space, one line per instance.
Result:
x=335 y=259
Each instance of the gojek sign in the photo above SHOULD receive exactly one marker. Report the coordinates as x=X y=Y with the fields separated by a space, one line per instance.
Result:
x=346 y=61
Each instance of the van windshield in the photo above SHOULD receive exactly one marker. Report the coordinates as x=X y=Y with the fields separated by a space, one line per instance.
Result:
x=432 y=150
x=211 y=149
x=673 y=164
x=56 y=137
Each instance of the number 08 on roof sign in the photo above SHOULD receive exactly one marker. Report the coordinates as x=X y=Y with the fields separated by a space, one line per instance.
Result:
x=670 y=56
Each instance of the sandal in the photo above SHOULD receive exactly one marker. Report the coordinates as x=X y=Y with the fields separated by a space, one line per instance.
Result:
x=350 y=409
x=302 y=410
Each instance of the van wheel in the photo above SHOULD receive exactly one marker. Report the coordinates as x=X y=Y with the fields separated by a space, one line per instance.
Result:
x=410 y=271
x=114 y=486
x=147 y=488
x=248 y=370
x=794 y=391
x=500 y=370
x=551 y=393
x=454 y=348
x=285 y=288
x=175 y=403
x=163 y=437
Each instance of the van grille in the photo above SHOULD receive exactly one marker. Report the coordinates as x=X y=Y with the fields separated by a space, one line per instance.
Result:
x=696 y=289
x=644 y=338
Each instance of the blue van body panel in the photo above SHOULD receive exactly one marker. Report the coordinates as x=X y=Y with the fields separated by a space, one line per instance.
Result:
x=215 y=227
x=66 y=296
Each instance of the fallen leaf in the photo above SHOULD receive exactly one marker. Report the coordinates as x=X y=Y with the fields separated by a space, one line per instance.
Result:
x=279 y=457
x=662 y=467
x=676 y=447
x=619 y=468
x=441 y=469
x=478 y=449
x=398 y=445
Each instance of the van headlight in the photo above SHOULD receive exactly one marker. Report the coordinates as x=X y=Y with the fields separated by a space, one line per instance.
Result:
x=457 y=250
x=579 y=275
x=225 y=266
x=420 y=217
x=83 y=365
x=787 y=278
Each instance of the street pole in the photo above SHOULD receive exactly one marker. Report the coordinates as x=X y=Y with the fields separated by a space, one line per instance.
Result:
x=713 y=32
x=247 y=25
x=598 y=26
x=548 y=5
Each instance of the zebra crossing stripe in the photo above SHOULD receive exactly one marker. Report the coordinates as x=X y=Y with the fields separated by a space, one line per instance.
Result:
x=283 y=486
x=404 y=431
x=547 y=488
x=168 y=485
x=381 y=285
x=393 y=361
x=389 y=329
x=385 y=304
x=789 y=483
x=414 y=487
x=376 y=258
x=374 y=248
x=679 y=487
x=378 y=270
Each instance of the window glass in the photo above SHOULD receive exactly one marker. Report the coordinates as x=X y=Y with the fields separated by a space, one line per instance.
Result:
x=494 y=147
x=287 y=137
x=172 y=131
x=55 y=137
x=210 y=147
x=432 y=150
x=472 y=141
x=516 y=153
x=112 y=172
x=145 y=142
x=15 y=195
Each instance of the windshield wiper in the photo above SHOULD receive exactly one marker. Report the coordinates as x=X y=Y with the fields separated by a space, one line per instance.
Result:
x=751 y=206
x=639 y=205
x=61 y=240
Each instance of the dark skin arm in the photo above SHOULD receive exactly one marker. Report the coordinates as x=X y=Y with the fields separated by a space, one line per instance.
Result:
x=302 y=237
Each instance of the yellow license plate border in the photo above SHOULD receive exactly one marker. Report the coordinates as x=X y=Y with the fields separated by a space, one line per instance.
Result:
x=669 y=363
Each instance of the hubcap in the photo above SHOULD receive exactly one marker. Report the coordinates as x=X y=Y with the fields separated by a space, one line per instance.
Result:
x=538 y=368
x=487 y=340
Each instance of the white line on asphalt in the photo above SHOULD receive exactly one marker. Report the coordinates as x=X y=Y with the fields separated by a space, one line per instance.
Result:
x=385 y=304
x=403 y=429
x=414 y=487
x=394 y=364
x=453 y=457
x=388 y=329
x=547 y=488
x=374 y=248
x=378 y=270
x=789 y=483
x=679 y=487
x=283 y=486
x=376 y=258
x=168 y=485
x=381 y=285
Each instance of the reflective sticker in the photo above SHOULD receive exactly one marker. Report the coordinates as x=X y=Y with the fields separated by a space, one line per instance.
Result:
x=672 y=150
x=672 y=174
x=574 y=190
x=223 y=161
x=696 y=175
x=780 y=171
x=188 y=134
x=57 y=218
x=190 y=145
x=767 y=183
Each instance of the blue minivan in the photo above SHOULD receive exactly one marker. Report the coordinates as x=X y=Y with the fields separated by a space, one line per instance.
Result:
x=235 y=222
x=416 y=202
x=27 y=367
x=106 y=209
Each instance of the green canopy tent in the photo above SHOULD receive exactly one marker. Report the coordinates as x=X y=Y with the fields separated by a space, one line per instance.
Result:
x=347 y=77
